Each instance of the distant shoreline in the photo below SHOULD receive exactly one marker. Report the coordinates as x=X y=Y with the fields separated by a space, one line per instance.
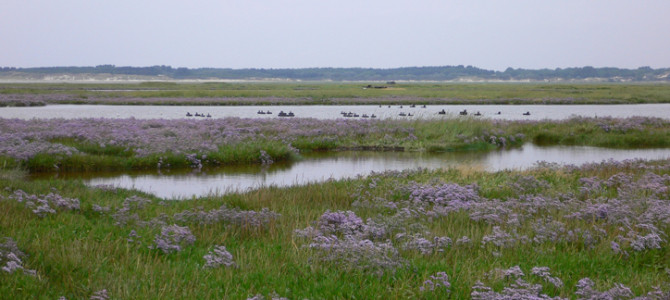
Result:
x=107 y=73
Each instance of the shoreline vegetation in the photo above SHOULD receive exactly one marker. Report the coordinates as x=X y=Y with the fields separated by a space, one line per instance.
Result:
x=132 y=144
x=427 y=73
x=217 y=93
x=596 y=231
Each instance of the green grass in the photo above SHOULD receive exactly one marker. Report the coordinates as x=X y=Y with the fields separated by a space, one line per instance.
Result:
x=349 y=93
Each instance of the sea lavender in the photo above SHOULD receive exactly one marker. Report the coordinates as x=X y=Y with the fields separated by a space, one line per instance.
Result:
x=224 y=214
x=585 y=290
x=464 y=240
x=123 y=216
x=42 y=204
x=10 y=257
x=100 y=295
x=217 y=257
x=271 y=296
x=417 y=242
x=24 y=139
x=345 y=223
x=519 y=290
x=100 y=209
x=354 y=253
x=503 y=239
x=437 y=281
x=512 y=272
x=527 y=184
x=544 y=273
x=265 y=158
x=552 y=231
x=132 y=236
x=172 y=239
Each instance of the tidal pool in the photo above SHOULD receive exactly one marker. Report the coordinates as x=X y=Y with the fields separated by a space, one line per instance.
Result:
x=318 y=167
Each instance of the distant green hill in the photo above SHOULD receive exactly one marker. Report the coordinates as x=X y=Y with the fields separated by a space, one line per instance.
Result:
x=356 y=74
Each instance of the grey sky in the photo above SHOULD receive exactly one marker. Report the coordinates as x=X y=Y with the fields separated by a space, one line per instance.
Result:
x=491 y=34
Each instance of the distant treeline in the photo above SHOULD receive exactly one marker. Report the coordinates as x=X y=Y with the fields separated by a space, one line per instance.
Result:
x=360 y=74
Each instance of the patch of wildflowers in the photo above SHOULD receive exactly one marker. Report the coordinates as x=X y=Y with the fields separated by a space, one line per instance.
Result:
x=219 y=256
x=438 y=281
x=173 y=238
x=100 y=295
x=10 y=258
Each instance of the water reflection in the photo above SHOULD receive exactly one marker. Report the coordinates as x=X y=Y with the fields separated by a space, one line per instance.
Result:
x=506 y=112
x=318 y=167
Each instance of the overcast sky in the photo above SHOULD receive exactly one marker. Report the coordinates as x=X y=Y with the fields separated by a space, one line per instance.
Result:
x=492 y=34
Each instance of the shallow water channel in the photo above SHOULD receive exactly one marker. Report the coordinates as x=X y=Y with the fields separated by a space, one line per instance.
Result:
x=318 y=167
x=507 y=112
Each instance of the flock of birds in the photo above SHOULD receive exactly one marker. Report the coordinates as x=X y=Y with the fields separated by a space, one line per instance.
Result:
x=188 y=114
x=404 y=114
x=465 y=113
x=290 y=114
x=355 y=115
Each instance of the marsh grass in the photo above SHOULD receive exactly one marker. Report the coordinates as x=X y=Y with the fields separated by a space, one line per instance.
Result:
x=79 y=252
x=170 y=93
x=283 y=140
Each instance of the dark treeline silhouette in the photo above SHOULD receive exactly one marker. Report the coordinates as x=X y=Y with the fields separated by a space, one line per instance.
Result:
x=359 y=74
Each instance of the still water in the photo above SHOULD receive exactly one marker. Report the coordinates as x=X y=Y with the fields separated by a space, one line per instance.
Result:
x=319 y=167
x=507 y=112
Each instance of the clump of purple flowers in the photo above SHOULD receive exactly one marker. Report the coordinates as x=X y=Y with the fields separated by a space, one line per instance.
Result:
x=133 y=236
x=355 y=253
x=10 y=257
x=623 y=125
x=543 y=272
x=265 y=158
x=42 y=204
x=243 y=218
x=419 y=243
x=340 y=222
x=528 y=184
x=100 y=295
x=271 y=296
x=437 y=281
x=192 y=139
x=25 y=148
x=586 y=291
x=640 y=238
x=503 y=239
x=173 y=238
x=100 y=209
x=344 y=239
x=217 y=257
x=21 y=100
x=512 y=272
x=519 y=289
x=132 y=204
x=192 y=158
